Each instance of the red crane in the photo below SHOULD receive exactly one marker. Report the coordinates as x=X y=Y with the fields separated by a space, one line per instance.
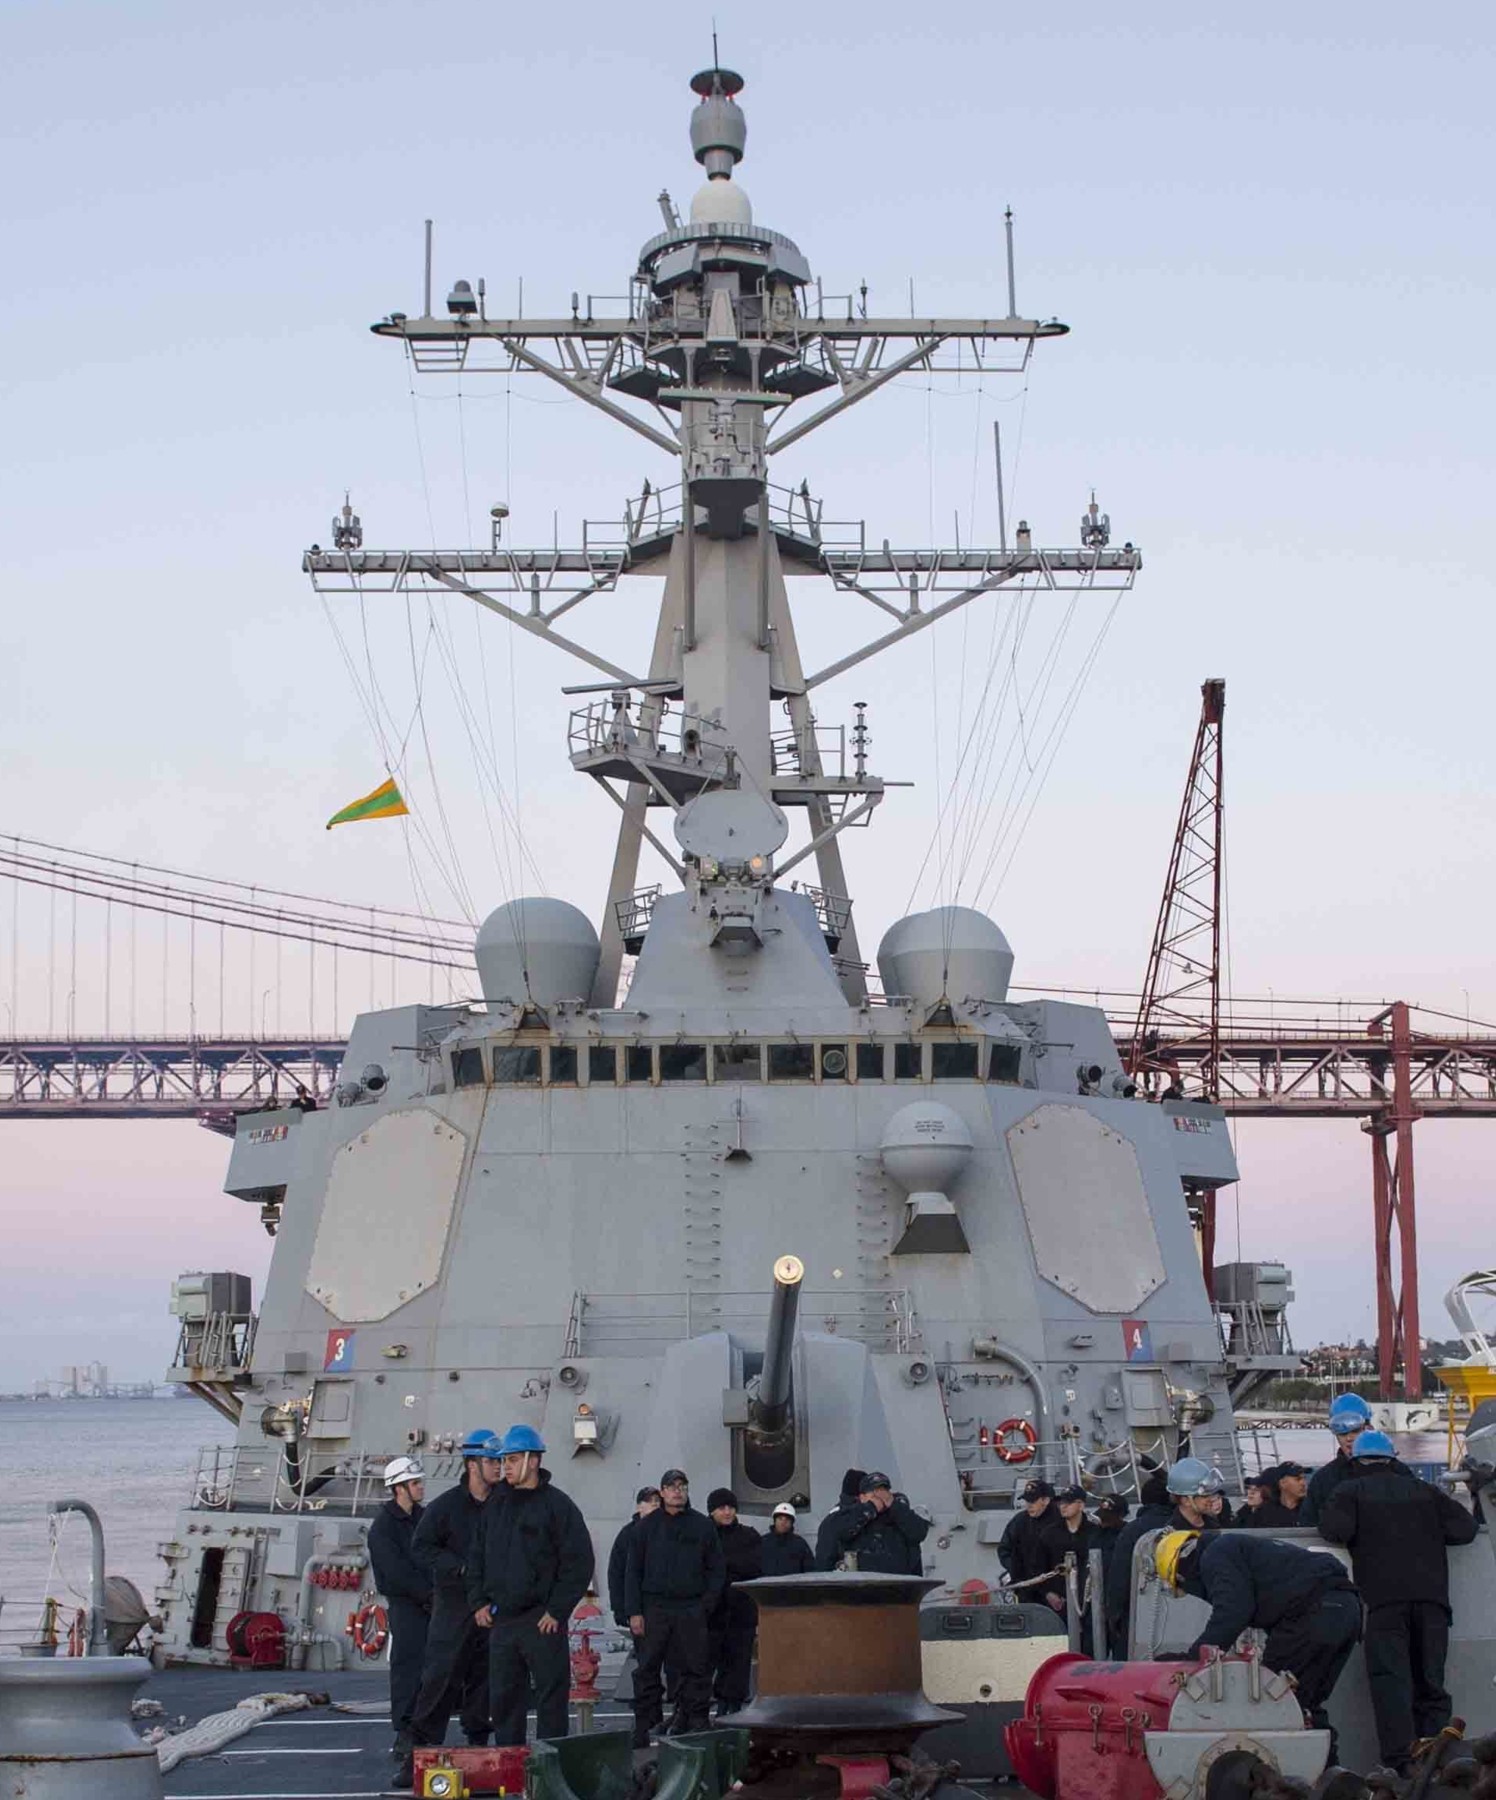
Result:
x=1180 y=1007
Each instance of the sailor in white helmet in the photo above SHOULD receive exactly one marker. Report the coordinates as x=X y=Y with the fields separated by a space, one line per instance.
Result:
x=406 y=1588
x=785 y=1552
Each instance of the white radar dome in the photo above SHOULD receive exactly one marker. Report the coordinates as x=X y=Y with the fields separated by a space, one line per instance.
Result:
x=541 y=950
x=925 y=1147
x=721 y=203
x=952 y=953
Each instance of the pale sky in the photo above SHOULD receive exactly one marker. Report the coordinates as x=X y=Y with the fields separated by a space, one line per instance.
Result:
x=1271 y=236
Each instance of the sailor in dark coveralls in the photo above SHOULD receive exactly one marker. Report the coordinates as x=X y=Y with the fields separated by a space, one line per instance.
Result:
x=1302 y=1599
x=673 y=1581
x=530 y=1564
x=455 y=1672
x=1398 y=1530
x=406 y=1588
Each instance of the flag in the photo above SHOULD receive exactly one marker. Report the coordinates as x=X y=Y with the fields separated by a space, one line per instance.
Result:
x=386 y=802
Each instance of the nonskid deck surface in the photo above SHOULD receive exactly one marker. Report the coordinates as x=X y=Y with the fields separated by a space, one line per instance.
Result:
x=314 y=1755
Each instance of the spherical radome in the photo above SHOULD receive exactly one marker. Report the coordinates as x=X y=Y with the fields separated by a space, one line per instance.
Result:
x=950 y=953
x=536 y=949
x=721 y=203
x=925 y=1146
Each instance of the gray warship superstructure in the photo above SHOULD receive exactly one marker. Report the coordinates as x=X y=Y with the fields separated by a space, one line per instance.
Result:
x=748 y=1218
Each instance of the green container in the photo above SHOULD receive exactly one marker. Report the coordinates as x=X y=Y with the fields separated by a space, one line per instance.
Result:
x=598 y=1765
x=720 y=1756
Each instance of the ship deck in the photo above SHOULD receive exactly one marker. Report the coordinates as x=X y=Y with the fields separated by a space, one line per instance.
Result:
x=319 y=1754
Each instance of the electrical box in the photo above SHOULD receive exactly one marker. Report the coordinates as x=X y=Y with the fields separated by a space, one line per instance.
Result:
x=197 y=1296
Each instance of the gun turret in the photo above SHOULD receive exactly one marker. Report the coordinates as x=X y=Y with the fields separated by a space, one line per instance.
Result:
x=769 y=1410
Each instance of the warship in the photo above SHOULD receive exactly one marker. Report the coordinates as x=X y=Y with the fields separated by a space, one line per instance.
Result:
x=752 y=1213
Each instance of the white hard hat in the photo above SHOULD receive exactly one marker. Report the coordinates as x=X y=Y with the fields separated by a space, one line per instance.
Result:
x=785 y=1508
x=403 y=1468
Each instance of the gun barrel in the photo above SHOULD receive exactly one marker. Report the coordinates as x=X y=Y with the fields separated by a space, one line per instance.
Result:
x=772 y=1406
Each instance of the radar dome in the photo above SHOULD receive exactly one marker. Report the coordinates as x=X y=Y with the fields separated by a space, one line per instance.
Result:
x=541 y=950
x=952 y=953
x=721 y=202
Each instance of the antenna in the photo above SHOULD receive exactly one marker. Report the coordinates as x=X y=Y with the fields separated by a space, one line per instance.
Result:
x=1008 y=232
x=426 y=309
x=1002 y=509
x=716 y=59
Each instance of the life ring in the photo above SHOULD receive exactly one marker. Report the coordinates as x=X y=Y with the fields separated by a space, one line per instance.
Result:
x=369 y=1628
x=78 y=1634
x=1023 y=1450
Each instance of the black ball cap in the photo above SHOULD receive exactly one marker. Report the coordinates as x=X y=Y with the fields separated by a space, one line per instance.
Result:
x=873 y=1480
x=675 y=1478
x=1038 y=1490
x=1071 y=1493
x=1291 y=1468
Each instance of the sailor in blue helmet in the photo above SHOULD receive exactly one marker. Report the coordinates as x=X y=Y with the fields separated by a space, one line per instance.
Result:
x=1349 y=1417
x=455 y=1669
x=1398 y=1530
x=531 y=1563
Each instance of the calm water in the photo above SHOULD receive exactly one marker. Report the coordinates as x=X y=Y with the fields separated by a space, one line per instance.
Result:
x=133 y=1460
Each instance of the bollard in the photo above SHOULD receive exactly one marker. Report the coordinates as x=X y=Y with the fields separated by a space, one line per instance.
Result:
x=66 y=1731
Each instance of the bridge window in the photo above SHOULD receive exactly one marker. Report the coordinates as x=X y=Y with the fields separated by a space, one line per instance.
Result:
x=737 y=1062
x=563 y=1065
x=517 y=1065
x=908 y=1062
x=467 y=1067
x=638 y=1062
x=792 y=1062
x=682 y=1062
x=602 y=1064
x=834 y=1062
x=1003 y=1061
x=953 y=1062
x=869 y=1062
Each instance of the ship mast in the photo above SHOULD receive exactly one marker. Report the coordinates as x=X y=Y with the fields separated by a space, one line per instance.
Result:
x=724 y=334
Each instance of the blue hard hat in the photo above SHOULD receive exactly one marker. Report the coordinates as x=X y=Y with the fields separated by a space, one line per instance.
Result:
x=1348 y=1407
x=481 y=1442
x=519 y=1439
x=1192 y=1477
x=1374 y=1443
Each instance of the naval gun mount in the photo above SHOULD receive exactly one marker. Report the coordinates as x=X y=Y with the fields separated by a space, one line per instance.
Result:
x=769 y=1452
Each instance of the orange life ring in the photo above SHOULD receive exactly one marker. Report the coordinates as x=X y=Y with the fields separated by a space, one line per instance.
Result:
x=369 y=1628
x=78 y=1634
x=1021 y=1452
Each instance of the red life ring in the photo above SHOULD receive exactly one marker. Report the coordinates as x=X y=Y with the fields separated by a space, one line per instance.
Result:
x=1021 y=1452
x=369 y=1628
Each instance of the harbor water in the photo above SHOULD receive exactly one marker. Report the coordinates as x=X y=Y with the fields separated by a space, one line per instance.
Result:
x=133 y=1460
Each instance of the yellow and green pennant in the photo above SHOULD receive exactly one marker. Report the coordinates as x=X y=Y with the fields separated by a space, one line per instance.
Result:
x=386 y=802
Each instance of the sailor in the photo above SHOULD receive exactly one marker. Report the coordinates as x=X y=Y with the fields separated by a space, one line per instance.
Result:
x=1111 y=1516
x=1176 y=1498
x=1349 y=1417
x=645 y=1502
x=406 y=1587
x=733 y=1624
x=1398 y=1530
x=1287 y=1483
x=785 y=1551
x=530 y=1566
x=1257 y=1494
x=1068 y=1531
x=1021 y=1551
x=672 y=1582
x=455 y=1669
x=1302 y=1599
x=874 y=1530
